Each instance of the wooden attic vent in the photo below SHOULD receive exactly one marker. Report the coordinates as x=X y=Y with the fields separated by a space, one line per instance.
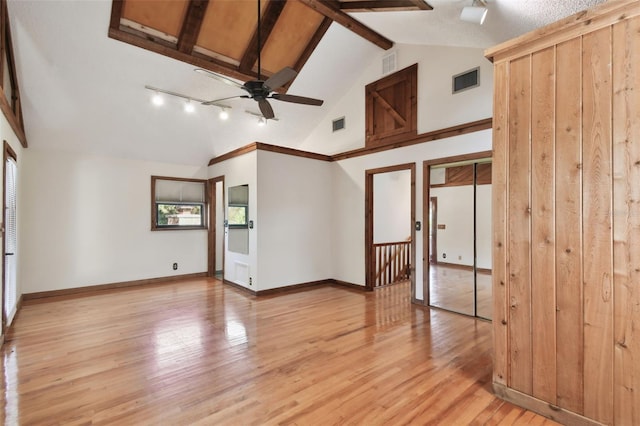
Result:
x=391 y=108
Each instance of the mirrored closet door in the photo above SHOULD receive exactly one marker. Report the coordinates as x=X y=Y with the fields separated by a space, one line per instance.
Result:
x=459 y=242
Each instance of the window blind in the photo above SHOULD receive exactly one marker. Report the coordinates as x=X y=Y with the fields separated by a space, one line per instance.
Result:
x=179 y=191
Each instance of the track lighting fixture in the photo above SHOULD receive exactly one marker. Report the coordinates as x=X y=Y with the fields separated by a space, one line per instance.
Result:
x=157 y=99
x=476 y=13
x=189 y=105
x=261 y=119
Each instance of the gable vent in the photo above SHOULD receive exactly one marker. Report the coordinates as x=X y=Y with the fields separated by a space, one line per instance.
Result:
x=389 y=63
x=466 y=80
x=338 y=124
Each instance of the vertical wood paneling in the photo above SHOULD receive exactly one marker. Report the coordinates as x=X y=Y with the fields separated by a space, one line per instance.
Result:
x=499 y=211
x=569 y=315
x=543 y=284
x=597 y=250
x=519 y=227
x=626 y=225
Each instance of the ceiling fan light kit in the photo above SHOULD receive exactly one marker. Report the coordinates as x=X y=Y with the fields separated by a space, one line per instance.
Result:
x=476 y=13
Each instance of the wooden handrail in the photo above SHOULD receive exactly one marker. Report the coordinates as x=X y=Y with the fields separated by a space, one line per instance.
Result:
x=392 y=262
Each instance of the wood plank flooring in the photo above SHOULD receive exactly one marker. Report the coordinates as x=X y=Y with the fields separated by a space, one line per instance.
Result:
x=200 y=352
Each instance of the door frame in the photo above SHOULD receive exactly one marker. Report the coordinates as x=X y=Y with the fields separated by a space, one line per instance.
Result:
x=8 y=152
x=368 y=224
x=212 y=233
x=426 y=178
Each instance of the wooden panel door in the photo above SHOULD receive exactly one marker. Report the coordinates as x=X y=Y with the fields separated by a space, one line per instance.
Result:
x=391 y=110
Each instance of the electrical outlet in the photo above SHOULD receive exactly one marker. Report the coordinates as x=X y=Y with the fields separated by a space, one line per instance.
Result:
x=175 y=266
x=444 y=255
x=250 y=280
x=459 y=257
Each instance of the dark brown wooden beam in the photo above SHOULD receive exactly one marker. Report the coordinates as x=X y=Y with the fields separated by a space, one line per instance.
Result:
x=144 y=41
x=269 y=19
x=191 y=25
x=331 y=9
x=116 y=13
x=383 y=5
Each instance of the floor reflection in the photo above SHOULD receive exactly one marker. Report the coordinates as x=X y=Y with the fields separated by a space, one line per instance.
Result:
x=10 y=394
x=452 y=288
x=236 y=333
x=176 y=341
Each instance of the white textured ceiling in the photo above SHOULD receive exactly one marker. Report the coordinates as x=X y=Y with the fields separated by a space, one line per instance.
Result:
x=82 y=91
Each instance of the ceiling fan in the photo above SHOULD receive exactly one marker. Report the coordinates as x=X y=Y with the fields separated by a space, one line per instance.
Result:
x=262 y=90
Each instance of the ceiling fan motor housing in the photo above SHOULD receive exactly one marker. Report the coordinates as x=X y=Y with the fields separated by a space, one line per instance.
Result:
x=257 y=89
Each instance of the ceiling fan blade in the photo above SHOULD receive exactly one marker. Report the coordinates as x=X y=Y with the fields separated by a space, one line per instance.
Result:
x=265 y=108
x=280 y=78
x=219 y=77
x=297 y=99
x=215 y=101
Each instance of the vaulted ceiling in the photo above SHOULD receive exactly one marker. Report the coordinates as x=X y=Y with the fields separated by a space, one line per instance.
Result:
x=82 y=91
x=223 y=36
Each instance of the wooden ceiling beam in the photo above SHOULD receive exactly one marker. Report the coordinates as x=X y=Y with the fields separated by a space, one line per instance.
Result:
x=331 y=9
x=383 y=5
x=191 y=25
x=269 y=19
x=116 y=13
x=156 y=45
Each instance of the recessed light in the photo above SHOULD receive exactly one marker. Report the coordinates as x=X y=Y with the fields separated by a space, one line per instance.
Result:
x=223 y=114
x=189 y=107
x=262 y=121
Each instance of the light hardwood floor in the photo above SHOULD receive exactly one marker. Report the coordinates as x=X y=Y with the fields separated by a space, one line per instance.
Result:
x=200 y=352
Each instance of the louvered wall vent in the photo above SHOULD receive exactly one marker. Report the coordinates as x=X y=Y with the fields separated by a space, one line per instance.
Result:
x=466 y=80
x=338 y=124
x=389 y=63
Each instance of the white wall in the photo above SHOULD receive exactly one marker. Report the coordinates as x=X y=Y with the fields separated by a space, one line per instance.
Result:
x=392 y=206
x=86 y=220
x=242 y=170
x=348 y=199
x=438 y=108
x=294 y=202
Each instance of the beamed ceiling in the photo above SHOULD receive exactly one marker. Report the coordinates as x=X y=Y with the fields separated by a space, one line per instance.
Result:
x=221 y=35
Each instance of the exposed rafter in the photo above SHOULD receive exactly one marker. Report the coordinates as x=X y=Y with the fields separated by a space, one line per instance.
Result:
x=221 y=36
x=269 y=19
x=383 y=5
x=191 y=25
x=331 y=9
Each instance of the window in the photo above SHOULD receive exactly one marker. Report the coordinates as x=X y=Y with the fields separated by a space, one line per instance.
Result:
x=237 y=216
x=178 y=203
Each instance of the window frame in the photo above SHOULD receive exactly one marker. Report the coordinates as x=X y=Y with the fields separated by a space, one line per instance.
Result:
x=204 y=206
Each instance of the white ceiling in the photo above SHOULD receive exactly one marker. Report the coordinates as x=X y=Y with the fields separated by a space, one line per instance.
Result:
x=82 y=91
